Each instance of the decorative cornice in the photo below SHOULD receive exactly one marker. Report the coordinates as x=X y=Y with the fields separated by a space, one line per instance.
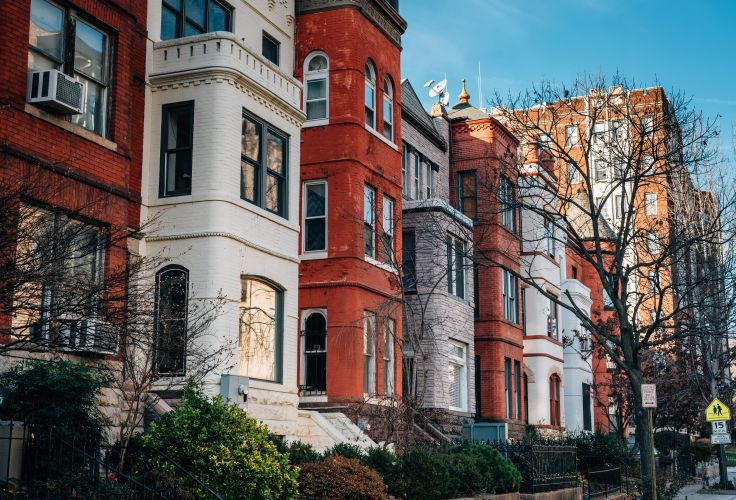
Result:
x=379 y=12
x=218 y=75
x=221 y=234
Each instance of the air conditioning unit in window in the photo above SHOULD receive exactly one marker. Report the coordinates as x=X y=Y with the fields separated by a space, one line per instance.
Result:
x=54 y=90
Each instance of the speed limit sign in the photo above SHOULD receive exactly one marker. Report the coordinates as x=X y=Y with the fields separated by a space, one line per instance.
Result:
x=719 y=427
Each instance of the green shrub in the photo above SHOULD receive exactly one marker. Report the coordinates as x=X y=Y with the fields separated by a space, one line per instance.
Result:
x=300 y=453
x=461 y=470
x=221 y=446
x=54 y=393
x=700 y=451
x=340 y=477
x=346 y=450
x=381 y=460
x=598 y=449
x=665 y=441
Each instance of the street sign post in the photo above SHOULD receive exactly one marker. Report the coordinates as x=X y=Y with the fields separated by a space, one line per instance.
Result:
x=717 y=410
x=648 y=395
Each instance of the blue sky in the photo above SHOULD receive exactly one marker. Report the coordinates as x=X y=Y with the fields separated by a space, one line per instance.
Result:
x=687 y=46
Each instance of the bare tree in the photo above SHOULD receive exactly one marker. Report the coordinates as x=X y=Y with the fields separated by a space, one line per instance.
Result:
x=70 y=286
x=612 y=168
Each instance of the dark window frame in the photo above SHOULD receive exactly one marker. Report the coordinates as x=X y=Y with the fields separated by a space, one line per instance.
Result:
x=461 y=196
x=172 y=268
x=409 y=262
x=181 y=18
x=587 y=414
x=165 y=110
x=70 y=16
x=317 y=383
x=262 y=170
x=265 y=37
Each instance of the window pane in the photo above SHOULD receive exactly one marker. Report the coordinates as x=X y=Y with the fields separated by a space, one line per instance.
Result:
x=315 y=237
x=388 y=112
x=259 y=324
x=249 y=181
x=37 y=61
x=315 y=200
x=316 y=89
x=317 y=63
x=275 y=153
x=172 y=316
x=270 y=49
x=46 y=25
x=175 y=4
x=317 y=110
x=195 y=10
x=191 y=30
x=369 y=96
x=219 y=17
x=94 y=111
x=89 y=51
x=169 y=23
x=178 y=175
x=273 y=193
x=456 y=396
x=251 y=140
x=179 y=128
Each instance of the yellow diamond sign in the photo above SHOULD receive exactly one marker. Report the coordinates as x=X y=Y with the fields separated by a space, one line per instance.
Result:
x=716 y=410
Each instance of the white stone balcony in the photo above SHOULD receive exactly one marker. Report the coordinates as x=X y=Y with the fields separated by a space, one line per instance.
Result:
x=222 y=51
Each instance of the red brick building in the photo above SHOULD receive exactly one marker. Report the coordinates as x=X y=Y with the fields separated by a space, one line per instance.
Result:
x=481 y=147
x=348 y=56
x=85 y=165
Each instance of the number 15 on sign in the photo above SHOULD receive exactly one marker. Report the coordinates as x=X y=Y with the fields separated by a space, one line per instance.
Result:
x=719 y=427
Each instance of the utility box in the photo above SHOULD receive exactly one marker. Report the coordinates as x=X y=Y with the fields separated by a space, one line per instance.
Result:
x=484 y=432
x=234 y=388
x=12 y=441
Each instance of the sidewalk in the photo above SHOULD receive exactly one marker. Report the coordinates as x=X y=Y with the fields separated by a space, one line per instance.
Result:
x=690 y=492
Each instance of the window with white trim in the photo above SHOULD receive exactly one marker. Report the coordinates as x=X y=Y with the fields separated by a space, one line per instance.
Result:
x=600 y=168
x=388 y=230
x=549 y=236
x=573 y=174
x=369 y=353
x=428 y=179
x=508 y=208
x=510 y=287
x=369 y=221
x=652 y=243
x=650 y=203
x=405 y=172
x=315 y=216
x=551 y=318
x=316 y=87
x=571 y=136
x=455 y=266
x=388 y=357
x=458 y=373
x=598 y=131
x=370 y=95
x=388 y=109
x=59 y=39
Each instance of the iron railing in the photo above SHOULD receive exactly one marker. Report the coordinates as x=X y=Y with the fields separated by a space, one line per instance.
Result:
x=47 y=463
x=601 y=482
x=542 y=467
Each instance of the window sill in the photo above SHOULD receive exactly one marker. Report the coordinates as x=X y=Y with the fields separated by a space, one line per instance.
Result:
x=313 y=255
x=316 y=123
x=380 y=136
x=71 y=127
x=381 y=265
x=321 y=398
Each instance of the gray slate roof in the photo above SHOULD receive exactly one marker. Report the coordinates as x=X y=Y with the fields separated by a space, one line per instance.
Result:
x=412 y=109
x=461 y=112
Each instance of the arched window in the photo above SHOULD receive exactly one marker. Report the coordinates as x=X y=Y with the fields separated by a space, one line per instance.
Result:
x=172 y=284
x=370 y=95
x=554 y=400
x=261 y=329
x=388 y=109
x=314 y=340
x=316 y=86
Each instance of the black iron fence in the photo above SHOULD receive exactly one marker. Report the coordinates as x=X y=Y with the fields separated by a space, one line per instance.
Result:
x=48 y=463
x=542 y=467
x=601 y=481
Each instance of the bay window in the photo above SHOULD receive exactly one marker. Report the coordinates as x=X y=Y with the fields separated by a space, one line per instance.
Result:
x=458 y=372
x=264 y=165
x=316 y=87
x=315 y=216
x=261 y=329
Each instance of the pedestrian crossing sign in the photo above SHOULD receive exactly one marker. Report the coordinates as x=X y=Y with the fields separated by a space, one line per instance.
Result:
x=716 y=410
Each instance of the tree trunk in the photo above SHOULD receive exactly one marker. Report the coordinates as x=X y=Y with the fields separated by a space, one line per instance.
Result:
x=645 y=440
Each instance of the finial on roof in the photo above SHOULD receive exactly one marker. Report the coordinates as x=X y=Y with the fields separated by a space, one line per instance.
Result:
x=464 y=97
